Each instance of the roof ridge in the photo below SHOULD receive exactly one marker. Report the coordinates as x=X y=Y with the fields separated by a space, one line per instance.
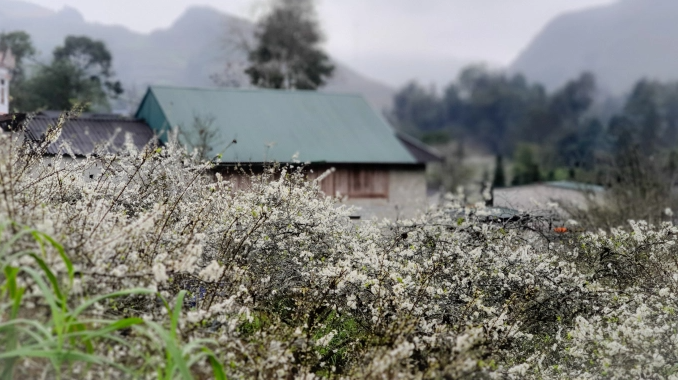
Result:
x=127 y=120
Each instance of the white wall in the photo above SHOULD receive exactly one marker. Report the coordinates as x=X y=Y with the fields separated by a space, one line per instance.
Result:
x=4 y=90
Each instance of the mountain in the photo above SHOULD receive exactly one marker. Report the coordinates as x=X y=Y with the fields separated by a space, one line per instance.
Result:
x=188 y=53
x=620 y=43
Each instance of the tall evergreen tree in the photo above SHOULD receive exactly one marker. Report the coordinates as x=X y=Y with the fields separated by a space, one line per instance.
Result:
x=288 y=53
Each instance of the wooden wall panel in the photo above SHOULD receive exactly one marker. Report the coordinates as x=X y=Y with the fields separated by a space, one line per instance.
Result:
x=354 y=181
x=357 y=182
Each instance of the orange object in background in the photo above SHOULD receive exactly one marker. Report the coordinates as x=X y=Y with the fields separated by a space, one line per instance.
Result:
x=560 y=230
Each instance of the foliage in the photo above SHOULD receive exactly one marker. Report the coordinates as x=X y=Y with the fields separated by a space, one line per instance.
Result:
x=276 y=281
x=499 y=179
x=501 y=112
x=526 y=168
x=80 y=72
x=576 y=131
x=487 y=107
x=287 y=54
x=417 y=109
x=92 y=59
x=22 y=48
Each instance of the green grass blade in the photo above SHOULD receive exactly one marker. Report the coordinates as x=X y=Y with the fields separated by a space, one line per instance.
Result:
x=176 y=313
x=15 y=293
x=117 y=325
x=175 y=356
x=47 y=294
x=51 y=277
x=46 y=331
x=43 y=341
x=60 y=249
x=217 y=367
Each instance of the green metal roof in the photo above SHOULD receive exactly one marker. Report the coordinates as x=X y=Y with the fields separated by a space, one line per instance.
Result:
x=273 y=125
x=570 y=185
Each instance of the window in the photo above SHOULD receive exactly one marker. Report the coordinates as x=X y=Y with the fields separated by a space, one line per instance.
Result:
x=357 y=182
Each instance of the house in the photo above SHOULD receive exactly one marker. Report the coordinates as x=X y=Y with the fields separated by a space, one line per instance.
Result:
x=87 y=134
x=536 y=197
x=375 y=168
x=7 y=64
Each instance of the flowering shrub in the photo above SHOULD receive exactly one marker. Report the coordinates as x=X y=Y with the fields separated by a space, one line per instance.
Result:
x=145 y=264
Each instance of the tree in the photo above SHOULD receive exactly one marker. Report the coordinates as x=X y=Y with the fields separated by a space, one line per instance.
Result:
x=642 y=108
x=287 y=54
x=570 y=103
x=499 y=175
x=496 y=106
x=526 y=168
x=80 y=72
x=22 y=48
x=90 y=58
x=417 y=109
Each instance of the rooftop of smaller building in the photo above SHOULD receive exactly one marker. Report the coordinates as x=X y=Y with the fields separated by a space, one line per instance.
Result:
x=85 y=134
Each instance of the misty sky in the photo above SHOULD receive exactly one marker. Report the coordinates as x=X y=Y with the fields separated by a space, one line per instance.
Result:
x=389 y=40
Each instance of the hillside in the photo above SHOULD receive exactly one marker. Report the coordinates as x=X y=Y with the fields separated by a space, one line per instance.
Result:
x=620 y=43
x=197 y=46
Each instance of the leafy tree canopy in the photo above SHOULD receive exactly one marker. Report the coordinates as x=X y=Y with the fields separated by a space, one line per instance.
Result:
x=80 y=72
x=287 y=52
x=22 y=48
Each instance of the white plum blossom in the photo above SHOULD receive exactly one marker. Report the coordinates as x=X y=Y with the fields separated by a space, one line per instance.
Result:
x=211 y=272
x=325 y=340
x=159 y=273
x=278 y=282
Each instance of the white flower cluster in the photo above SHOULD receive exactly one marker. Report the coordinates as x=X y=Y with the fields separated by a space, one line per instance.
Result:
x=287 y=286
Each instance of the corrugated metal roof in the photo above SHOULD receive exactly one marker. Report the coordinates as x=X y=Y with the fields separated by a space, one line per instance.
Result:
x=273 y=125
x=570 y=185
x=84 y=134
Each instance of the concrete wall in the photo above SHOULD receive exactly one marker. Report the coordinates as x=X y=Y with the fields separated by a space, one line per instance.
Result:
x=4 y=90
x=406 y=196
x=536 y=197
x=92 y=173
